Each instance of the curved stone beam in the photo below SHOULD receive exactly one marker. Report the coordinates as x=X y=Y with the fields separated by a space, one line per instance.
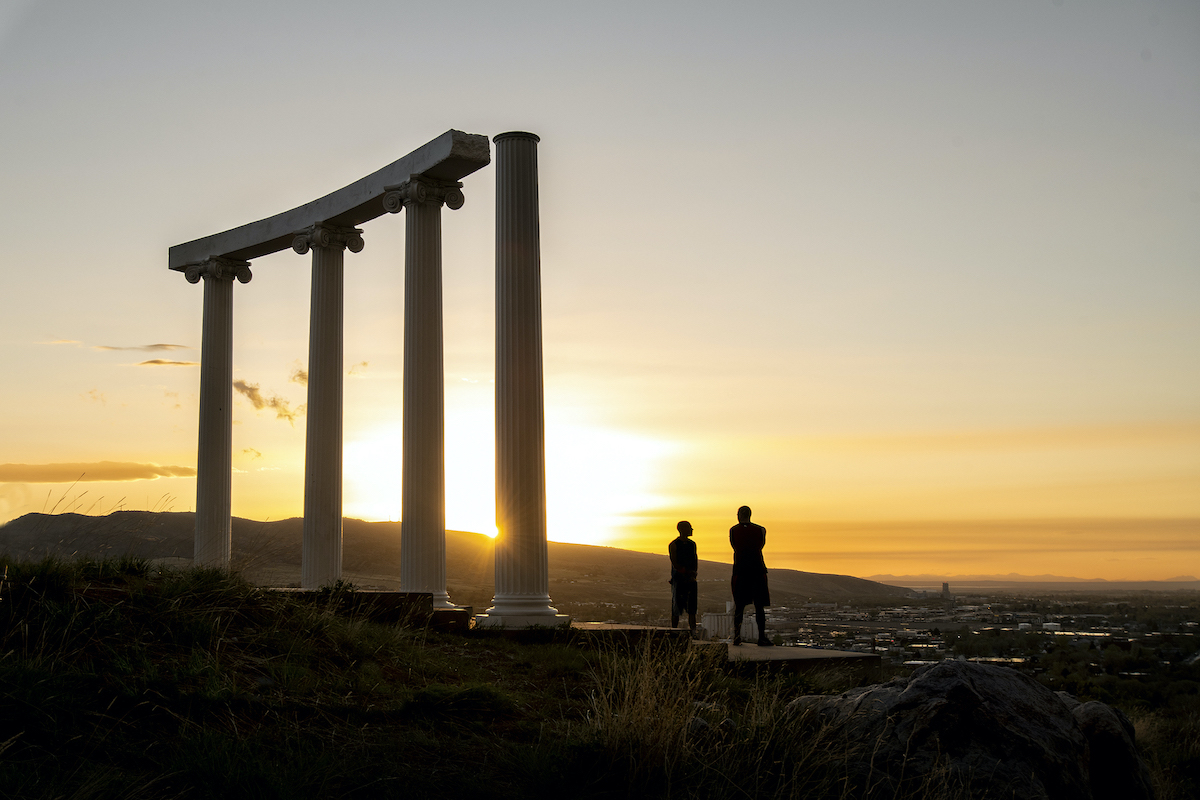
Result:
x=449 y=157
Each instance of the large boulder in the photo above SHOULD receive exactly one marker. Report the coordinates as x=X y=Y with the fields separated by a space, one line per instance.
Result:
x=990 y=731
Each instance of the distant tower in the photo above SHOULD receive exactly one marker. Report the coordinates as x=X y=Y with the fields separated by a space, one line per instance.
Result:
x=945 y=589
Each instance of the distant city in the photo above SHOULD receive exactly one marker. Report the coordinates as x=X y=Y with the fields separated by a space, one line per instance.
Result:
x=1127 y=641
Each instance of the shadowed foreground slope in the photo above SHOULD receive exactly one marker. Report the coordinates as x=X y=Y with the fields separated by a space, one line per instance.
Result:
x=269 y=553
x=122 y=680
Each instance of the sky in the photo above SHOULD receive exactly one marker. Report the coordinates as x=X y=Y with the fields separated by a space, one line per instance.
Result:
x=917 y=281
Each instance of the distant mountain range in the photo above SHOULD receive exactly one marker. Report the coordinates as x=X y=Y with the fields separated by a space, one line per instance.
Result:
x=1014 y=577
x=1012 y=580
x=269 y=554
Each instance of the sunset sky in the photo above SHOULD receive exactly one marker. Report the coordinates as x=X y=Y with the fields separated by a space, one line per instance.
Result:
x=917 y=281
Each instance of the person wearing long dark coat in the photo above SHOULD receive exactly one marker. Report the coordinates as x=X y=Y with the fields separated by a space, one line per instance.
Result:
x=749 y=575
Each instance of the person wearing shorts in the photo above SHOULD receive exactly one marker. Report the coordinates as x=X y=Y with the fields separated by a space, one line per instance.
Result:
x=684 y=597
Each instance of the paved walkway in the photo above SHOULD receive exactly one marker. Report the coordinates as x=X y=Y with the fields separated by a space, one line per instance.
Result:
x=752 y=652
x=799 y=658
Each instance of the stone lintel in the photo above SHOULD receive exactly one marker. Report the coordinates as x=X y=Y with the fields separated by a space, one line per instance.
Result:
x=448 y=158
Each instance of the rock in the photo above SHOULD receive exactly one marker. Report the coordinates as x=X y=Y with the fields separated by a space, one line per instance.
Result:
x=1116 y=769
x=990 y=731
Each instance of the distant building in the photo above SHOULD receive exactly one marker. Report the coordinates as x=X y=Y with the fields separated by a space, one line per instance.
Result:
x=947 y=598
x=720 y=626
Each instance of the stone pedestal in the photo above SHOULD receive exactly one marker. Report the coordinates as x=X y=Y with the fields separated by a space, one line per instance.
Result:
x=423 y=481
x=520 y=622
x=522 y=576
x=321 y=555
x=214 y=455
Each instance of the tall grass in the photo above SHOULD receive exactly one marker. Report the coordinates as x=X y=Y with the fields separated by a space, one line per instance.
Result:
x=676 y=724
x=118 y=675
x=1171 y=743
x=119 y=679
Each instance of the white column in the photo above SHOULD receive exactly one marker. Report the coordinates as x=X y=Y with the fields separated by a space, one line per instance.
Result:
x=321 y=555
x=423 y=481
x=214 y=454
x=522 y=576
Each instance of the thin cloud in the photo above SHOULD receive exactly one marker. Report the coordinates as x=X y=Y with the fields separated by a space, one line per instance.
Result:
x=162 y=362
x=279 y=405
x=62 y=341
x=253 y=453
x=300 y=375
x=90 y=471
x=95 y=396
x=145 y=348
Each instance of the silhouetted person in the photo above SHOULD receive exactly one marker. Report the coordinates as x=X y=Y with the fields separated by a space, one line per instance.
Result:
x=749 y=574
x=683 y=575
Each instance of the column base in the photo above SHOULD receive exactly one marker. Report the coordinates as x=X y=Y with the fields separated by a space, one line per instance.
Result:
x=521 y=605
x=522 y=621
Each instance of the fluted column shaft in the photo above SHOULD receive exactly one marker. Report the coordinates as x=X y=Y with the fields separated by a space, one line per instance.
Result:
x=423 y=481
x=522 y=576
x=321 y=554
x=214 y=453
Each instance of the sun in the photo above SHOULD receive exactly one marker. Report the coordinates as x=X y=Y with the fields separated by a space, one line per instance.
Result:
x=372 y=472
x=597 y=478
x=371 y=475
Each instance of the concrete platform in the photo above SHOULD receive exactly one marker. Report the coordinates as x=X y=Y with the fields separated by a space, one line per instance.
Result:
x=752 y=652
x=866 y=665
x=801 y=659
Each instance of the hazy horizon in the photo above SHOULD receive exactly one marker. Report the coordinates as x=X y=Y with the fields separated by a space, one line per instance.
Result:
x=787 y=560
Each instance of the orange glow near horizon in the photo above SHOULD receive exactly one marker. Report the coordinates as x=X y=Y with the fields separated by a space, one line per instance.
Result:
x=1113 y=502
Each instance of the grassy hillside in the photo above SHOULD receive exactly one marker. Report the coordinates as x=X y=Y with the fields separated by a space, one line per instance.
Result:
x=582 y=578
x=122 y=680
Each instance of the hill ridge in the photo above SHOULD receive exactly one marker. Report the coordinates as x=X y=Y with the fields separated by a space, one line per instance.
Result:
x=269 y=552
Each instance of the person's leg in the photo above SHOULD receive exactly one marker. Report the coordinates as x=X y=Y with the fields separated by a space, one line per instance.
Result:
x=737 y=622
x=760 y=616
x=692 y=621
x=674 y=604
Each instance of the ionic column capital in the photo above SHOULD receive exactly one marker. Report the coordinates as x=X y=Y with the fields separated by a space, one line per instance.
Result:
x=325 y=235
x=419 y=189
x=218 y=268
